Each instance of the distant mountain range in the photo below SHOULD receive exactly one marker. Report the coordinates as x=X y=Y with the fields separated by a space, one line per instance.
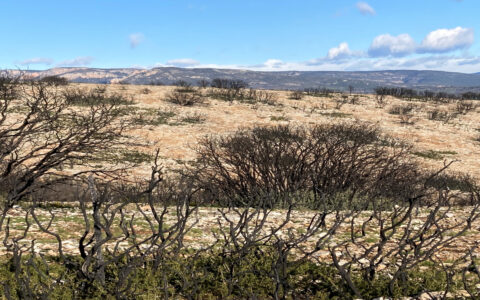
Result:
x=286 y=80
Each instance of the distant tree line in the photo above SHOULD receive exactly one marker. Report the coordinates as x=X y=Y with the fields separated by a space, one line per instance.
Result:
x=407 y=93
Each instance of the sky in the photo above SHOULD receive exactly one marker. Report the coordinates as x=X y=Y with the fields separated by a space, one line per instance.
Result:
x=267 y=35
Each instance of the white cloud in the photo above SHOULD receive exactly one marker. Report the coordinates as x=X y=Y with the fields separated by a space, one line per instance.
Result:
x=388 y=45
x=274 y=63
x=76 y=62
x=37 y=61
x=365 y=9
x=135 y=39
x=183 y=62
x=445 y=40
x=342 y=51
x=439 y=62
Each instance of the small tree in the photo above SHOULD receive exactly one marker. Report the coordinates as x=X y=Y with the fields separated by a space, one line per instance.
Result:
x=203 y=83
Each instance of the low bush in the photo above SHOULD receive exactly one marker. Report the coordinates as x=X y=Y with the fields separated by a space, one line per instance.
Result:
x=208 y=276
x=439 y=115
x=185 y=97
x=78 y=97
x=463 y=107
x=401 y=109
x=319 y=92
x=55 y=80
x=432 y=154
x=194 y=118
x=267 y=166
x=153 y=117
x=296 y=95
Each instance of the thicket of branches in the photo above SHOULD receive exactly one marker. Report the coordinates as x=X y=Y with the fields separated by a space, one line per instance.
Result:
x=410 y=94
x=375 y=223
x=231 y=89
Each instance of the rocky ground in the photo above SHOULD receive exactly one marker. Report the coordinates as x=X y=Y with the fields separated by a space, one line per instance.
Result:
x=206 y=225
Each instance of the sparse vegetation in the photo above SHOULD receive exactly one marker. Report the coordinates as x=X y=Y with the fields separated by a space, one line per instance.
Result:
x=432 y=154
x=319 y=92
x=194 y=118
x=55 y=80
x=329 y=210
x=153 y=117
x=439 y=115
x=97 y=96
x=464 y=107
x=279 y=118
x=185 y=96
x=231 y=90
x=296 y=95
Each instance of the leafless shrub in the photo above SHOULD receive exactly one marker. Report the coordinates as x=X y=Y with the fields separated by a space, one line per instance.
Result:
x=203 y=83
x=404 y=112
x=380 y=100
x=110 y=238
x=259 y=96
x=354 y=100
x=296 y=95
x=48 y=136
x=9 y=86
x=185 y=98
x=224 y=83
x=339 y=102
x=439 y=115
x=401 y=109
x=463 y=107
x=397 y=245
x=184 y=86
x=407 y=119
x=97 y=96
x=193 y=118
x=55 y=80
x=145 y=91
x=319 y=92
x=265 y=166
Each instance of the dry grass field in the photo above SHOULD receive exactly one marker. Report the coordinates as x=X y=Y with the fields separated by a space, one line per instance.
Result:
x=180 y=127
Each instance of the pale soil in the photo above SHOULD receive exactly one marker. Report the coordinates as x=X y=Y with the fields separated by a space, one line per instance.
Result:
x=177 y=140
x=205 y=229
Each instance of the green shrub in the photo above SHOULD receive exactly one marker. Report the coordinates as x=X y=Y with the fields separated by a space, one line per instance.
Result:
x=433 y=154
x=210 y=276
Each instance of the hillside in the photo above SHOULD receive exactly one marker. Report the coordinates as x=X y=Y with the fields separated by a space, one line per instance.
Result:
x=363 y=82
x=181 y=127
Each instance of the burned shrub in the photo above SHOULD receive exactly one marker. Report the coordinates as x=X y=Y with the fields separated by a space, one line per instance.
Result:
x=97 y=96
x=184 y=98
x=9 y=86
x=401 y=109
x=283 y=165
x=296 y=95
x=223 y=83
x=184 y=86
x=55 y=80
x=463 y=107
x=439 y=115
x=203 y=83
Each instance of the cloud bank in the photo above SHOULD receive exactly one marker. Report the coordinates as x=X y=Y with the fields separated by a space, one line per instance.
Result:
x=386 y=52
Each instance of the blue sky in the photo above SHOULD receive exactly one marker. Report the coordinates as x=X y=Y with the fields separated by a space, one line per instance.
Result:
x=248 y=34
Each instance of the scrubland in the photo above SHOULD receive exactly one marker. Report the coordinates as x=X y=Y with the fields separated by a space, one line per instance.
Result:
x=129 y=191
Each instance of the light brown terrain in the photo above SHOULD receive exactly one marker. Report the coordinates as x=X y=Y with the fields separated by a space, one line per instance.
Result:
x=177 y=139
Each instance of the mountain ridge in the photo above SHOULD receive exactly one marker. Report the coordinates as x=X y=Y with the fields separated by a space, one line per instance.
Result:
x=362 y=81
